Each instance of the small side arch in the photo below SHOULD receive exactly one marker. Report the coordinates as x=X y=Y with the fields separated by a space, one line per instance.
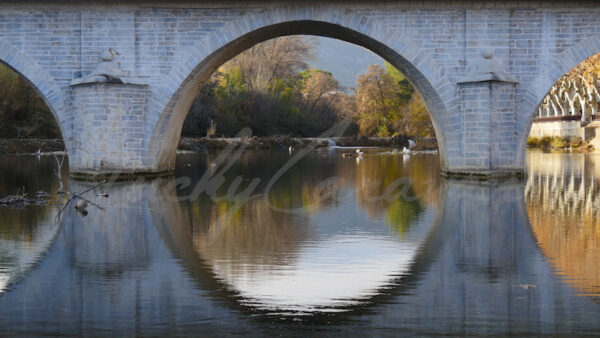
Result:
x=172 y=98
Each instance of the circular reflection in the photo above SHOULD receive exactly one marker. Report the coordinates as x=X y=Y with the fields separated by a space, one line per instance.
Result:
x=25 y=234
x=339 y=248
x=563 y=203
x=24 y=238
x=326 y=275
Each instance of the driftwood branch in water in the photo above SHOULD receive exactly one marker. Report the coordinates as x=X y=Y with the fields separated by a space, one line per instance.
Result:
x=74 y=196
x=21 y=199
x=78 y=195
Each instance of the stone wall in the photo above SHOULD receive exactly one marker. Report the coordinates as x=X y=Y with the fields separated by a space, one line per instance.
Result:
x=177 y=45
x=109 y=127
x=556 y=128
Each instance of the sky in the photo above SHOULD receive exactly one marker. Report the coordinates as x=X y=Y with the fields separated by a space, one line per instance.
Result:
x=344 y=60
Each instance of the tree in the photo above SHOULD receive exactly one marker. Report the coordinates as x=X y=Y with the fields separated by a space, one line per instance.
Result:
x=23 y=113
x=321 y=95
x=377 y=102
x=279 y=58
x=269 y=89
x=418 y=122
x=405 y=90
x=388 y=105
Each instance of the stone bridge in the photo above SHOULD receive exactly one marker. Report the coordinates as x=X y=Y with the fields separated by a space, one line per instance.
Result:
x=120 y=76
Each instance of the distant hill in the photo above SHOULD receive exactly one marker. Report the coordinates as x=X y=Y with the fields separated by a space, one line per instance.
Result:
x=344 y=60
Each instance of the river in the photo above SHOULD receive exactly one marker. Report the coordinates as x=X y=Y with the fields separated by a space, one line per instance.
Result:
x=294 y=243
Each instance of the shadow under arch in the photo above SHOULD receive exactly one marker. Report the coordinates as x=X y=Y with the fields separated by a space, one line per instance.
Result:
x=177 y=238
x=542 y=84
x=173 y=97
x=43 y=83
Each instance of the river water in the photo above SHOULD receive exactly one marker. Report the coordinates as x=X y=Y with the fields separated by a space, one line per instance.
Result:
x=279 y=243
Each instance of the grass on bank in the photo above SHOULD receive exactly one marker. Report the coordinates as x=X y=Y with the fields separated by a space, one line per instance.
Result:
x=557 y=142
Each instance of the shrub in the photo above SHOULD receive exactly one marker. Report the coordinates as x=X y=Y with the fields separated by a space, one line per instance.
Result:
x=559 y=142
x=545 y=141
x=533 y=142
x=575 y=142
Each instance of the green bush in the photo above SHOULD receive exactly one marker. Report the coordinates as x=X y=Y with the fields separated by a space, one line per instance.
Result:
x=575 y=142
x=559 y=142
x=554 y=142
x=545 y=142
x=533 y=142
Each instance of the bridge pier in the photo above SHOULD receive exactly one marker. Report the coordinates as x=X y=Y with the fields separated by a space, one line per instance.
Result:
x=109 y=132
x=487 y=97
x=489 y=144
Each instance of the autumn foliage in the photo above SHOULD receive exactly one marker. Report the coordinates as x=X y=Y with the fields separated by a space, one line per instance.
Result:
x=271 y=89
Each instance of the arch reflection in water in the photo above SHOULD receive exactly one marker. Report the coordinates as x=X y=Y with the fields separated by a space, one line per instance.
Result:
x=109 y=270
x=25 y=234
x=153 y=265
x=20 y=250
x=324 y=250
x=563 y=201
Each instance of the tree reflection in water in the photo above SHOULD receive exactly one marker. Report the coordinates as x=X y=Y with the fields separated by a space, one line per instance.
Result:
x=295 y=248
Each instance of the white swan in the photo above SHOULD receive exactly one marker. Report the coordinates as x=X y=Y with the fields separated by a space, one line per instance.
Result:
x=405 y=151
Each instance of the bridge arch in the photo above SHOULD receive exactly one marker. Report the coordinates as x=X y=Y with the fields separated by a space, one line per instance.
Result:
x=172 y=98
x=42 y=82
x=542 y=84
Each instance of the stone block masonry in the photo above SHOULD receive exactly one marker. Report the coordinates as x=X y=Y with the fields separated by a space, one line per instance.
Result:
x=108 y=128
x=482 y=67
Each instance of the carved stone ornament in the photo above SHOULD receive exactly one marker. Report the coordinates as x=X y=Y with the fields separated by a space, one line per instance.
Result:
x=486 y=68
x=108 y=71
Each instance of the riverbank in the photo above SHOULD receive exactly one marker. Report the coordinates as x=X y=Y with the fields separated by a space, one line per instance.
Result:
x=267 y=143
x=30 y=146
x=559 y=143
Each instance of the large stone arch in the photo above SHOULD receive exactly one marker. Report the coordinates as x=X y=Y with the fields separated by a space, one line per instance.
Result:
x=172 y=98
x=541 y=85
x=42 y=82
